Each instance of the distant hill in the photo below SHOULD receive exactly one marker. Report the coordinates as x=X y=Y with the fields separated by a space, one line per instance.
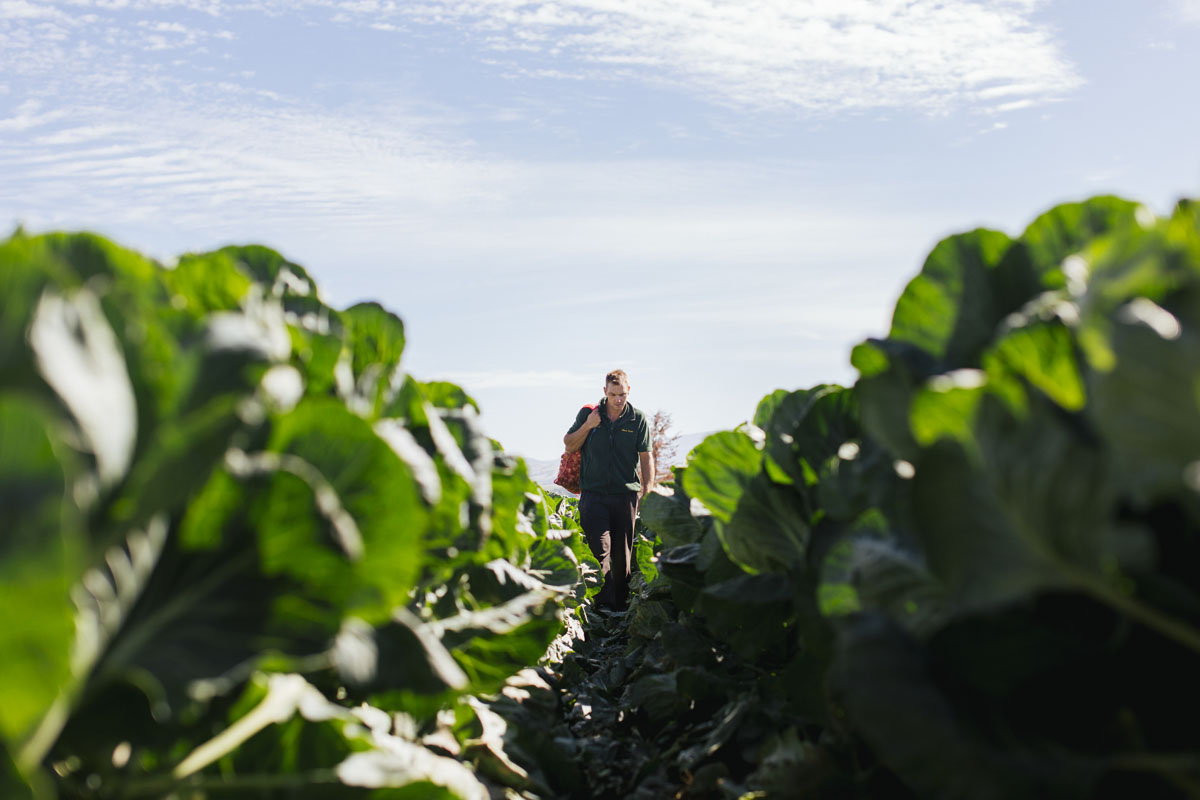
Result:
x=543 y=471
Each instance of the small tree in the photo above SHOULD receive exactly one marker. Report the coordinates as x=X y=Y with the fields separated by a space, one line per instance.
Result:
x=662 y=445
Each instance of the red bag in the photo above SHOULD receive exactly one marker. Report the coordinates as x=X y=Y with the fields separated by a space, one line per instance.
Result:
x=568 y=467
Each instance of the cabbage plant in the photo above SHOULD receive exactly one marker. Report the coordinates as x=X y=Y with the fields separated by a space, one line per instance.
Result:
x=244 y=552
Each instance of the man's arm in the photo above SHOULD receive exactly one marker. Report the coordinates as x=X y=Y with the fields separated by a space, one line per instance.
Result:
x=647 y=465
x=574 y=439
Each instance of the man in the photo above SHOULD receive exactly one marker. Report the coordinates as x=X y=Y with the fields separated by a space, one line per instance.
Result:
x=615 y=440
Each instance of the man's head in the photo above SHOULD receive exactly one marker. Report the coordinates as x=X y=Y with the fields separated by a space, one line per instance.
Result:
x=616 y=389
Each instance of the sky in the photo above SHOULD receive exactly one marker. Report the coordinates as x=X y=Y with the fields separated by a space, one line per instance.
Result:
x=721 y=197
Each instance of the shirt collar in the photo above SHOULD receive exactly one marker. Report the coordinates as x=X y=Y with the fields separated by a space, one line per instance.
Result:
x=627 y=411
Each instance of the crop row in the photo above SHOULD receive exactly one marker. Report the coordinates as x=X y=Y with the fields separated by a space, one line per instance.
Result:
x=244 y=554
x=974 y=573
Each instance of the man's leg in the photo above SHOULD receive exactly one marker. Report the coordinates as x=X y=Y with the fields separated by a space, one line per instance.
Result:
x=623 y=516
x=594 y=518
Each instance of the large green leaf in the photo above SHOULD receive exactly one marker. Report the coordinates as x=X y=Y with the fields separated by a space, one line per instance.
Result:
x=493 y=643
x=41 y=557
x=213 y=510
x=25 y=271
x=1042 y=353
x=515 y=514
x=990 y=550
x=268 y=267
x=806 y=427
x=225 y=388
x=1065 y=230
x=1146 y=408
x=375 y=342
x=768 y=406
x=667 y=512
x=12 y=783
x=768 y=531
x=656 y=696
x=520 y=739
x=1038 y=353
x=946 y=406
x=444 y=394
x=891 y=699
x=286 y=735
x=951 y=312
x=569 y=535
x=127 y=287
x=816 y=438
x=1141 y=331
x=762 y=525
x=91 y=256
x=890 y=373
x=726 y=723
x=281 y=727
x=895 y=583
x=1036 y=512
x=643 y=552
x=556 y=563
x=202 y=284
x=719 y=469
x=81 y=360
x=158 y=617
x=138 y=311
x=317 y=336
x=417 y=431
x=338 y=528
x=402 y=654
x=1054 y=482
x=750 y=613
x=949 y=309
x=180 y=460
x=497 y=486
x=829 y=420
x=335 y=477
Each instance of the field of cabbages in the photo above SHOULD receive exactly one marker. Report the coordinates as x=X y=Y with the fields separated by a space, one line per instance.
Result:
x=243 y=554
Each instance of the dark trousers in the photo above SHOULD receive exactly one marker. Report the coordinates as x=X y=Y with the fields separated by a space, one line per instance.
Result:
x=607 y=521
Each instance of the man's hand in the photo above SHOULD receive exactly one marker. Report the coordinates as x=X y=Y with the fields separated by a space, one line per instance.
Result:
x=574 y=441
x=648 y=475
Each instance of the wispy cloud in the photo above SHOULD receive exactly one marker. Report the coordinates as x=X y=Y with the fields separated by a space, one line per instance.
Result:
x=820 y=56
x=134 y=144
x=817 y=55
x=29 y=115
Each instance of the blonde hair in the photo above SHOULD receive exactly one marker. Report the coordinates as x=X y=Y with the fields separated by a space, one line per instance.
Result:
x=616 y=376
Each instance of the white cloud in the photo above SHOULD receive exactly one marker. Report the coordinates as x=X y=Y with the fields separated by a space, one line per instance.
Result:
x=817 y=55
x=211 y=158
x=221 y=160
x=81 y=135
x=820 y=56
x=1016 y=105
x=22 y=9
x=29 y=115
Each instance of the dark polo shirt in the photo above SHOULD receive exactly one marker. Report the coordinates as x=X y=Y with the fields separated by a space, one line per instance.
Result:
x=610 y=451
